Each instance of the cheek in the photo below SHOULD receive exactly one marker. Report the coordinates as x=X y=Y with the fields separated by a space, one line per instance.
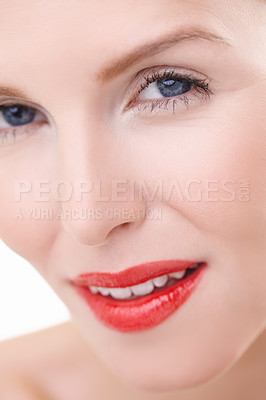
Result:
x=218 y=163
x=25 y=224
x=233 y=156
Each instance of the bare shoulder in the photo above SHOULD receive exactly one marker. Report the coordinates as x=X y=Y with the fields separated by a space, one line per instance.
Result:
x=26 y=360
x=20 y=352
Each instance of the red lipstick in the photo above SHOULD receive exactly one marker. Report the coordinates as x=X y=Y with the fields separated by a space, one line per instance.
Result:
x=139 y=312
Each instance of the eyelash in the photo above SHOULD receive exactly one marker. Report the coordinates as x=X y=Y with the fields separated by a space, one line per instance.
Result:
x=8 y=135
x=201 y=86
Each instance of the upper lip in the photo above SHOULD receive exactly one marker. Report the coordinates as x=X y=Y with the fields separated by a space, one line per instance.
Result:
x=133 y=275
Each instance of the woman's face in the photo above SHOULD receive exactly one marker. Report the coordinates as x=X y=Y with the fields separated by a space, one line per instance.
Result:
x=92 y=72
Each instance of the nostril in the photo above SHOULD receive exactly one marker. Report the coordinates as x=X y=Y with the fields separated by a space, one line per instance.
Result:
x=115 y=229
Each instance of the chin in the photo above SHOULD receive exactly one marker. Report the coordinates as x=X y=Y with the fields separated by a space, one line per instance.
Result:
x=163 y=380
x=178 y=370
x=192 y=348
x=155 y=372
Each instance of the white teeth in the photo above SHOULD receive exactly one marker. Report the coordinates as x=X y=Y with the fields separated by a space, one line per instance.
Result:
x=94 y=289
x=143 y=288
x=178 y=274
x=160 y=280
x=120 y=293
x=104 y=291
x=139 y=290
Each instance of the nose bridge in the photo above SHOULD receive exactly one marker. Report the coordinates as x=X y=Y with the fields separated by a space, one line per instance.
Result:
x=98 y=194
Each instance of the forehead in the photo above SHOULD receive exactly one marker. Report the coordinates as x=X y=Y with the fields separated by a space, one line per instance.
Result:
x=73 y=23
x=79 y=36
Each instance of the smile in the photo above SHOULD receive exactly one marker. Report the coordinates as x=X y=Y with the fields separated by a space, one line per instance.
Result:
x=140 y=297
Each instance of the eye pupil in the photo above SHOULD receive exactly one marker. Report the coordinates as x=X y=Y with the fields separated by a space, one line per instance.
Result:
x=171 y=87
x=18 y=115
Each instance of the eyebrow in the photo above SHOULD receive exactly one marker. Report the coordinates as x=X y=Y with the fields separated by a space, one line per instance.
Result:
x=116 y=67
x=120 y=65
x=13 y=92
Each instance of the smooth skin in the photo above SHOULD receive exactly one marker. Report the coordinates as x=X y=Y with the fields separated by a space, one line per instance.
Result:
x=59 y=54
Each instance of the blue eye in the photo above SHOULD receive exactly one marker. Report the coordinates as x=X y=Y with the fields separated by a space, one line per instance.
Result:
x=16 y=115
x=18 y=121
x=172 y=87
x=167 y=87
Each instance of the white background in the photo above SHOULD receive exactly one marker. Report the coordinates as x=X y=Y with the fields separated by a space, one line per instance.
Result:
x=27 y=303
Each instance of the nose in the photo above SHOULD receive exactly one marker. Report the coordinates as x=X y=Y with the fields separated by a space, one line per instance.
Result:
x=94 y=220
x=99 y=196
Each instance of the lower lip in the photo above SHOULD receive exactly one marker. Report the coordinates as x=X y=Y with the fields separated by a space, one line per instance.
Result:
x=143 y=312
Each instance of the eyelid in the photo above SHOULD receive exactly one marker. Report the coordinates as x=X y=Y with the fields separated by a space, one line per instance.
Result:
x=200 y=89
x=12 y=134
x=140 y=76
x=161 y=68
x=9 y=101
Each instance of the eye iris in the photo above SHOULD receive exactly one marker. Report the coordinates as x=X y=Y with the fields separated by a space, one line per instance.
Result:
x=171 y=87
x=18 y=115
